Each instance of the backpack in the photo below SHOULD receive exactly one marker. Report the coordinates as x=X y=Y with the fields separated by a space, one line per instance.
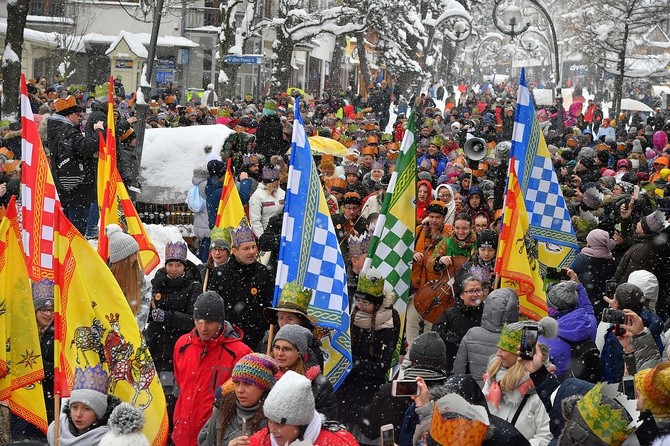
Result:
x=585 y=361
x=194 y=200
x=69 y=170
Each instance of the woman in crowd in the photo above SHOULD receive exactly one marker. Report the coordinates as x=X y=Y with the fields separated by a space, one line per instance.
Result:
x=290 y=350
x=127 y=271
x=292 y=417
x=238 y=408
x=461 y=243
x=219 y=253
x=483 y=262
x=423 y=198
x=445 y=194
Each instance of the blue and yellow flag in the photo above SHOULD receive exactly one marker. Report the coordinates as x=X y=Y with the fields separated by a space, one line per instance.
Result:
x=548 y=215
x=310 y=255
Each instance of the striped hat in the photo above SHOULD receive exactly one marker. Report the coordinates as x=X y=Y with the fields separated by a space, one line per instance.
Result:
x=256 y=369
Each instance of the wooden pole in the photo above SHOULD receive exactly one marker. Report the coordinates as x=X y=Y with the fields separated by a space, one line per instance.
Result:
x=56 y=419
x=204 y=282
x=271 y=335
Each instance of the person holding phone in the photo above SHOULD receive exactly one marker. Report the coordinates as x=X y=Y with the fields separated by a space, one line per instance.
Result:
x=238 y=405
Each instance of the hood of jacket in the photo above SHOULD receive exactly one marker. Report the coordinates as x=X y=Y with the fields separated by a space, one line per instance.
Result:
x=647 y=282
x=500 y=307
x=55 y=125
x=199 y=175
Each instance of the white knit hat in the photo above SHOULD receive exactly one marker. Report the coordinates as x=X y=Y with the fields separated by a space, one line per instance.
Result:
x=121 y=245
x=125 y=427
x=290 y=401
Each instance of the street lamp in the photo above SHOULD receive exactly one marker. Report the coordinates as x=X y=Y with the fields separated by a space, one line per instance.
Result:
x=509 y=22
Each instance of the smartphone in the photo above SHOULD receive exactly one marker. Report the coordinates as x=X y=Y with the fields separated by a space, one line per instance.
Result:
x=613 y=316
x=610 y=288
x=405 y=387
x=528 y=342
x=387 y=435
x=244 y=427
x=636 y=191
x=628 y=387
x=557 y=274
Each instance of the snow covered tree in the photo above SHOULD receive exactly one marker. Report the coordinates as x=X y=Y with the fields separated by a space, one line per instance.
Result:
x=610 y=34
x=232 y=39
x=295 y=25
x=17 y=13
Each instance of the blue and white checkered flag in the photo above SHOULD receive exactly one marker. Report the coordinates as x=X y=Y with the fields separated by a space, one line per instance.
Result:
x=310 y=255
x=547 y=212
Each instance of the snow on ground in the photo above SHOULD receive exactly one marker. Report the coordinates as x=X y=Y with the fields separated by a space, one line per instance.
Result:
x=160 y=236
x=169 y=157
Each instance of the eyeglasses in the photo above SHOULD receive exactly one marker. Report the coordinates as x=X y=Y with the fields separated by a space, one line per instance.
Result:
x=477 y=291
x=351 y=208
x=362 y=302
x=279 y=348
x=46 y=310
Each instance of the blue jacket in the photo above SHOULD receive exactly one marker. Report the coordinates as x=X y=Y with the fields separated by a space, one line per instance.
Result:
x=575 y=325
x=212 y=197
x=441 y=160
x=612 y=353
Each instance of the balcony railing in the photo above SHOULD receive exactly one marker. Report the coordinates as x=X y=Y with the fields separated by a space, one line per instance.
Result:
x=202 y=16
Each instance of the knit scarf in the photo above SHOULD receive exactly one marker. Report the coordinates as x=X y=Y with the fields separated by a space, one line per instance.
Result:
x=467 y=243
x=494 y=393
x=383 y=319
x=311 y=433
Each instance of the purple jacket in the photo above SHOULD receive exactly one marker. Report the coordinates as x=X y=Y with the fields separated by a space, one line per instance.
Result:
x=574 y=325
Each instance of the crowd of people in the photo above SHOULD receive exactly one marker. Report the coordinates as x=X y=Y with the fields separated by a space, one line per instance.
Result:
x=230 y=379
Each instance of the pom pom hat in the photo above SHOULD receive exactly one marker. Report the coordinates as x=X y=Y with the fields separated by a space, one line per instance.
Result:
x=290 y=401
x=125 y=427
x=256 y=369
x=121 y=245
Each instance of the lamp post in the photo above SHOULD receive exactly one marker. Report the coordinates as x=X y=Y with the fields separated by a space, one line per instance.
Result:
x=511 y=23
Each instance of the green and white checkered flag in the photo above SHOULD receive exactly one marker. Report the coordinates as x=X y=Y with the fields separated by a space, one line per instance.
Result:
x=392 y=245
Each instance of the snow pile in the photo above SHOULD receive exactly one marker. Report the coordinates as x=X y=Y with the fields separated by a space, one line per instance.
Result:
x=160 y=236
x=169 y=157
x=9 y=56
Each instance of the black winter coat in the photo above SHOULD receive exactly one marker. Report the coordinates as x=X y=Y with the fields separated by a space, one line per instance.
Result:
x=453 y=324
x=176 y=297
x=126 y=161
x=247 y=291
x=269 y=137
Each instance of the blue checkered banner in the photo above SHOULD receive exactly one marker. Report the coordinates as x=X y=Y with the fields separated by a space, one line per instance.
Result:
x=310 y=255
x=548 y=215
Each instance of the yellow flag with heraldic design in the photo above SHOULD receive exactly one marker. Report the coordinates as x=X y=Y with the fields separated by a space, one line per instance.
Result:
x=230 y=212
x=517 y=262
x=21 y=368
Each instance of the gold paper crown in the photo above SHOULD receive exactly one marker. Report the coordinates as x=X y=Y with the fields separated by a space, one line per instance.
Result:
x=64 y=104
x=374 y=286
x=241 y=234
x=510 y=339
x=606 y=423
x=294 y=295
x=358 y=245
x=456 y=431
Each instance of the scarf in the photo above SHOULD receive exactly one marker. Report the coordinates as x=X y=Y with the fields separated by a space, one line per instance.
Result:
x=67 y=438
x=311 y=433
x=383 y=319
x=494 y=393
x=467 y=243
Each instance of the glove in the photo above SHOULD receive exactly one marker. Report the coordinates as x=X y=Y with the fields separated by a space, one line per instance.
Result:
x=100 y=125
x=158 y=315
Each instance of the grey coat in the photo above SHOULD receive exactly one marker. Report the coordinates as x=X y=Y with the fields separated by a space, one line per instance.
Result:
x=480 y=343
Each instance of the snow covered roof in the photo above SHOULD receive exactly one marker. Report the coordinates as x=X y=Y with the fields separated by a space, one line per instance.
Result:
x=47 y=19
x=133 y=43
x=142 y=38
x=169 y=157
x=51 y=40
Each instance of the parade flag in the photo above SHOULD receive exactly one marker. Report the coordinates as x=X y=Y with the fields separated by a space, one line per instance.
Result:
x=548 y=215
x=517 y=265
x=392 y=244
x=230 y=213
x=115 y=203
x=310 y=255
x=21 y=368
x=93 y=322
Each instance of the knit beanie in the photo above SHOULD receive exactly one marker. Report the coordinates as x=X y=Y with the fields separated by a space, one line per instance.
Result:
x=90 y=388
x=125 y=427
x=121 y=245
x=562 y=295
x=654 y=385
x=653 y=223
x=488 y=238
x=209 y=307
x=256 y=369
x=290 y=401
x=216 y=168
x=428 y=357
x=297 y=335
x=43 y=294
x=648 y=283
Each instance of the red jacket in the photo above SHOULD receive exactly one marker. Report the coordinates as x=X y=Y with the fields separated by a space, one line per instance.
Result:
x=200 y=367
x=336 y=436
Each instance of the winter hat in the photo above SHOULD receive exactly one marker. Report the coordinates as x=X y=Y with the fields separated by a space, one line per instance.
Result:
x=256 y=369
x=648 y=283
x=588 y=163
x=125 y=427
x=43 y=294
x=297 y=335
x=216 y=168
x=653 y=223
x=269 y=108
x=637 y=147
x=623 y=163
x=176 y=251
x=608 y=173
x=290 y=401
x=220 y=238
x=209 y=307
x=428 y=357
x=488 y=238
x=599 y=244
x=601 y=416
x=654 y=385
x=121 y=245
x=562 y=296
x=510 y=337
x=90 y=388
x=592 y=198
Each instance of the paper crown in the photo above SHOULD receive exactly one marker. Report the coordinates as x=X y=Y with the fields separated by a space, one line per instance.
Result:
x=65 y=104
x=370 y=284
x=337 y=185
x=437 y=206
x=295 y=296
x=352 y=198
x=351 y=169
x=43 y=293
x=378 y=165
x=241 y=234
x=510 y=339
x=91 y=378
x=220 y=238
x=358 y=245
x=387 y=136
x=457 y=431
x=607 y=423
x=270 y=173
x=176 y=251
x=369 y=150
x=437 y=141
x=249 y=159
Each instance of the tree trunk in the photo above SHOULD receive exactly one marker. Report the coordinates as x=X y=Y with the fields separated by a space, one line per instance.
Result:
x=336 y=81
x=363 y=61
x=621 y=71
x=17 y=12
x=282 y=69
x=448 y=56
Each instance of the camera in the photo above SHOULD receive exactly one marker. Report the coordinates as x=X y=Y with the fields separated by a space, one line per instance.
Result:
x=405 y=387
x=528 y=342
x=614 y=316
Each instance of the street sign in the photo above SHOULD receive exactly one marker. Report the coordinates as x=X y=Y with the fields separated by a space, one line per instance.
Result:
x=239 y=60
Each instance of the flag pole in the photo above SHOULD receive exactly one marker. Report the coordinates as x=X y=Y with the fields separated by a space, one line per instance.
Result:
x=56 y=418
x=271 y=335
